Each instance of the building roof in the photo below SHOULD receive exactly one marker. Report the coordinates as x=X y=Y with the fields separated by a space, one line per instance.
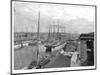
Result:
x=89 y=36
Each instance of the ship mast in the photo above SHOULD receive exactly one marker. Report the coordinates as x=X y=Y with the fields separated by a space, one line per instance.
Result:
x=49 y=33
x=38 y=33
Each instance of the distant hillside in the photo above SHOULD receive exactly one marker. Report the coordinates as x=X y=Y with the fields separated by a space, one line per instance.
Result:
x=22 y=36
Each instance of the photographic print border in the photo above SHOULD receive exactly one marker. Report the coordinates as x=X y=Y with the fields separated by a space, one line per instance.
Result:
x=95 y=43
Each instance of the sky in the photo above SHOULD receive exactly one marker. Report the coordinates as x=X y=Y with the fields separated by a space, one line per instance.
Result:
x=75 y=19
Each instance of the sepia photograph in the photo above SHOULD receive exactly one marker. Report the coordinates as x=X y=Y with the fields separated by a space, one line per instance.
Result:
x=50 y=37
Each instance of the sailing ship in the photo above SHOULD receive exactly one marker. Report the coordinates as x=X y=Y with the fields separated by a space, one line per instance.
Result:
x=53 y=42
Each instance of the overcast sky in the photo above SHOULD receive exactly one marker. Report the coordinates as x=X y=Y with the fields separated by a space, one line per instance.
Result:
x=78 y=19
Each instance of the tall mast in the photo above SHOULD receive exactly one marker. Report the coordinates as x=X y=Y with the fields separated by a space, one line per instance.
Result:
x=58 y=31
x=38 y=32
x=54 y=32
x=49 y=32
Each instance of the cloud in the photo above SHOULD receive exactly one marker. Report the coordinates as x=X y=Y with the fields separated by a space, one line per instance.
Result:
x=76 y=19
